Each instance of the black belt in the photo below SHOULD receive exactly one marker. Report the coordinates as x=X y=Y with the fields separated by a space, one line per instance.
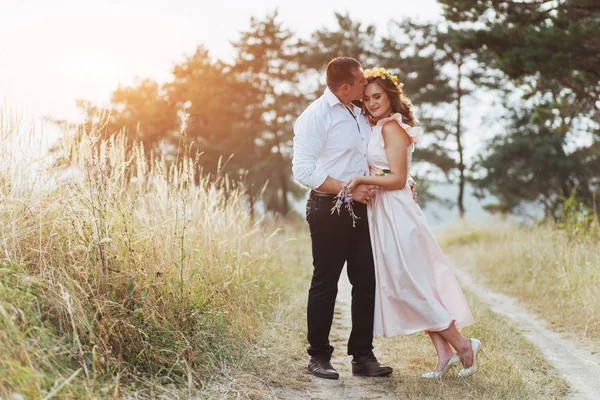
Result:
x=327 y=198
x=314 y=194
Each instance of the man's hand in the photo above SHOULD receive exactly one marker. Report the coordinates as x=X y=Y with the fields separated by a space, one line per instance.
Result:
x=364 y=193
x=413 y=188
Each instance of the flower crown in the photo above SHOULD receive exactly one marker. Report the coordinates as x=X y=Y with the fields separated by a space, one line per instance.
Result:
x=383 y=74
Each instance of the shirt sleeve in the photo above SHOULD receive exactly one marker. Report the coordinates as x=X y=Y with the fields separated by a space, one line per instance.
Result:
x=310 y=133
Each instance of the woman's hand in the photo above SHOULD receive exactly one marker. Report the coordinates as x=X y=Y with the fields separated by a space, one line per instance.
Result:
x=413 y=188
x=354 y=182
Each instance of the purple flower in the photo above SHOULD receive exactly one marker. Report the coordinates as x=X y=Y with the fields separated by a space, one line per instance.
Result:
x=344 y=197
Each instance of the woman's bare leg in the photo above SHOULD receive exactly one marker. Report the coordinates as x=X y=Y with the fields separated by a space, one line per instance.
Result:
x=443 y=349
x=461 y=344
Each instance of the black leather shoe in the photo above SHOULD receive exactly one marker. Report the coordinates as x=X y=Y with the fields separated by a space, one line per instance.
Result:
x=321 y=367
x=369 y=366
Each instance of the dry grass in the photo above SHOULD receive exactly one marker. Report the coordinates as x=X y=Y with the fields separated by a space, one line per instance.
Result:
x=127 y=275
x=515 y=368
x=551 y=271
x=278 y=359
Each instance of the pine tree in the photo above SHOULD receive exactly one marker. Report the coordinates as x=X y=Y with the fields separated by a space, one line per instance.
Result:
x=267 y=61
x=220 y=108
x=550 y=52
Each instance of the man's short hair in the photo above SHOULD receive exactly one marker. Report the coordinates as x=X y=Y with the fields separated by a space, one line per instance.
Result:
x=339 y=71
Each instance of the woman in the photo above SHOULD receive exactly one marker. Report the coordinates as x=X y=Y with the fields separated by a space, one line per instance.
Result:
x=416 y=290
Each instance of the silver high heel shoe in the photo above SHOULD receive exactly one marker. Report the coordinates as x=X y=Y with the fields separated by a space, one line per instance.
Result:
x=477 y=346
x=453 y=362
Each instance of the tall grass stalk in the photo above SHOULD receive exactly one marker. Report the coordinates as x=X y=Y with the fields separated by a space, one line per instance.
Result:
x=121 y=268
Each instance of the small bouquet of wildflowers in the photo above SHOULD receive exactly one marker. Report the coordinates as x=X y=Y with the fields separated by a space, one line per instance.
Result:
x=344 y=198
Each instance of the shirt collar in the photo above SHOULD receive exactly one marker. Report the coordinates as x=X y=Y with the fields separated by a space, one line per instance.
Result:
x=332 y=100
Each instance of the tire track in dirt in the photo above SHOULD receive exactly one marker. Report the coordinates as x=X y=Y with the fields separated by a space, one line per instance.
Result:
x=577 y=366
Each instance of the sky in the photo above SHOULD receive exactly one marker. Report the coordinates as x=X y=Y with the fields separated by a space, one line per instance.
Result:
x=53 y=52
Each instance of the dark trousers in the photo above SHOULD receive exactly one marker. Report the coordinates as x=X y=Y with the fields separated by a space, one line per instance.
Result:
x=335 y=242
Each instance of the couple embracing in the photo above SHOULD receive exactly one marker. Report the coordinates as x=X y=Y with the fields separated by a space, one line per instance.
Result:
x=401 y=282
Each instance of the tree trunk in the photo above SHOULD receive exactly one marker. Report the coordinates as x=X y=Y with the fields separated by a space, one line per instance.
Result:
x=283 y=180
x=283 y=189
x=251 y=200
x=461 y=165
x=284 y=193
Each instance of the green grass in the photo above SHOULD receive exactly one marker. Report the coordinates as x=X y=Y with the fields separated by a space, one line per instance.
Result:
x=35 y=357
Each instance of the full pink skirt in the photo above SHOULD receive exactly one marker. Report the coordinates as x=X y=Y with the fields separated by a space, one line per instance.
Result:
x=416 y=289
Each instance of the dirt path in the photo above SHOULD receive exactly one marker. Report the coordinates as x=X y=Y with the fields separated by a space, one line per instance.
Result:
x=348 y=387
x=578 y=367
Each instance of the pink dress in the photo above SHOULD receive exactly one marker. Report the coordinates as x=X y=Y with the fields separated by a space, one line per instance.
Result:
x=416 y=290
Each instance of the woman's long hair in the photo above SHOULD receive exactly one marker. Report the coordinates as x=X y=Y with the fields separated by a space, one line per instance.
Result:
x=400 y=103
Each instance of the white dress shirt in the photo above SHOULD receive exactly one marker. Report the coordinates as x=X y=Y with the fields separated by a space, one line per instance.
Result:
x=330 y=139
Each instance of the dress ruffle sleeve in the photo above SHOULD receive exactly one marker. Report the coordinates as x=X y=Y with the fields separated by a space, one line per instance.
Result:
x=414 y=132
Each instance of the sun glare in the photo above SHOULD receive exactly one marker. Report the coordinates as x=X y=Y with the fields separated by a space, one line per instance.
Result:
x=57 y=51
x=87 y=67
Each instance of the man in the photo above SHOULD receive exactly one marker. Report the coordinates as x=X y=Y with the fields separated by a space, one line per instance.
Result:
x=330 y=147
